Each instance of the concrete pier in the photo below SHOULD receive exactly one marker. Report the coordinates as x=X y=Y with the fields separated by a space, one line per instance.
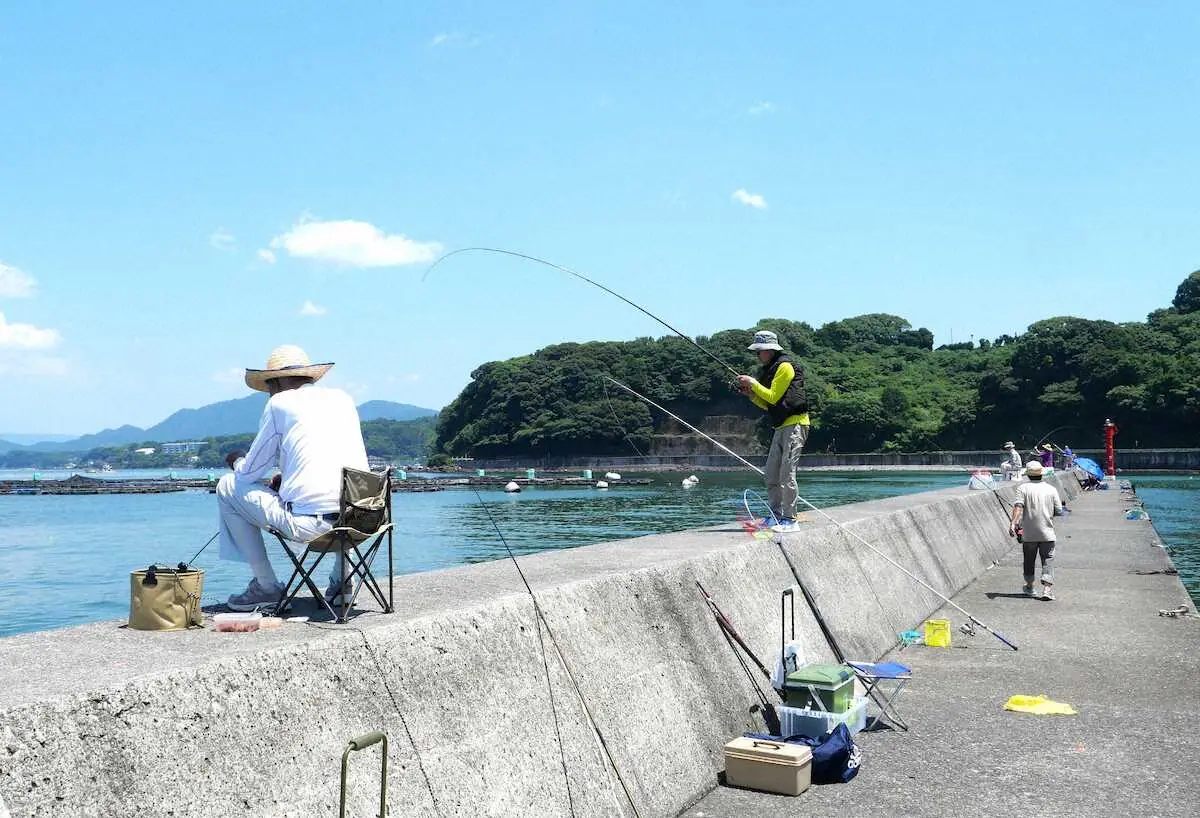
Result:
x=1101 y=646
x=103 y=721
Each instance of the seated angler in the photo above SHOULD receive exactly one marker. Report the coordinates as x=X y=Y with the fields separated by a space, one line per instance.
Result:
x=309 y=433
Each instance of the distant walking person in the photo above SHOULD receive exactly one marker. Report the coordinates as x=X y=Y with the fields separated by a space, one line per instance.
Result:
x=779 y=391
x=1036 y=506
x=309 y=433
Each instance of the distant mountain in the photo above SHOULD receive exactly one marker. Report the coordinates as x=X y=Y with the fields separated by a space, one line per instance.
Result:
x=109 y=437
x=387 y=410
x=24 y=439
x=228 y=417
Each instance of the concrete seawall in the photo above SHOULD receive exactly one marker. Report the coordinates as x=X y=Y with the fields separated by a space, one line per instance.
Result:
x=103 y=721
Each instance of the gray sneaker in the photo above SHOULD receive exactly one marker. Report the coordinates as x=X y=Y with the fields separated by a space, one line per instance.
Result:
x=1028 y=590
x=255 y=596
x=333 y=594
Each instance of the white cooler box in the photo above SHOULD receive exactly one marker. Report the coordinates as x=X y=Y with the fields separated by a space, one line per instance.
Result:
x=796 y=721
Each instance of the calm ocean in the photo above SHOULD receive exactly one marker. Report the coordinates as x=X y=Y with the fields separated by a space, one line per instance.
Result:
x=65 y=560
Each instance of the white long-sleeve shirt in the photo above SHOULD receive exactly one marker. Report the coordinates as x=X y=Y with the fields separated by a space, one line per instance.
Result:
x=309 y=434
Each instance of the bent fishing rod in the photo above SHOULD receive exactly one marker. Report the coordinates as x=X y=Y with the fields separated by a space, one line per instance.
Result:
x=845 y=529
x=581 y=277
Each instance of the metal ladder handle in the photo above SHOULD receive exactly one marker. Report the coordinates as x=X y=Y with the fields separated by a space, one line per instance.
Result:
x=361 y=743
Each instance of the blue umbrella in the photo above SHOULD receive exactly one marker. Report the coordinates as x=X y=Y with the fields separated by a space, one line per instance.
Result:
x=1090 y=466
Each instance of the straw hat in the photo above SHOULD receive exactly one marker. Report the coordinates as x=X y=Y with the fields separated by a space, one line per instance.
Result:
x=1033 y=469
x=285 y=362
x=765 y=339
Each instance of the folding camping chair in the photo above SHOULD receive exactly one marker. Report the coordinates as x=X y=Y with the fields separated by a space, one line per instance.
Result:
x=883 y=682
x=364 y=522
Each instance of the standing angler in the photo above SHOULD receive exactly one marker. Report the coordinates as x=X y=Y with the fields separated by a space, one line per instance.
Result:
x=779 y=391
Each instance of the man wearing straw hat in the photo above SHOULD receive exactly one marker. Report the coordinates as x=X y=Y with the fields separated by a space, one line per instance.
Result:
x=307 y=432
x=779 y=391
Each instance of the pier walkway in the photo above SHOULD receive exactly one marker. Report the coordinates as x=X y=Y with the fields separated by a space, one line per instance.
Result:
x=1134 y=677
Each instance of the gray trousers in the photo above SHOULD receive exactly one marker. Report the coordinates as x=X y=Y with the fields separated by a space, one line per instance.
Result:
x=782 y=460
x=1032 y=551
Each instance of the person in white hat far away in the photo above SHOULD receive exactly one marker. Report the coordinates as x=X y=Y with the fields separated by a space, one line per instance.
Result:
x=1036 y=506
x=309 y=433
x=779 y=391
x=1011 y=467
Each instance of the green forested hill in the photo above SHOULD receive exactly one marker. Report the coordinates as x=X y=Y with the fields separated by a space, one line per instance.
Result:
x=875 y=384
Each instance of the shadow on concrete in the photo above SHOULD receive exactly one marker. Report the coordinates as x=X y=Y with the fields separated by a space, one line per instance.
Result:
x=995 y=595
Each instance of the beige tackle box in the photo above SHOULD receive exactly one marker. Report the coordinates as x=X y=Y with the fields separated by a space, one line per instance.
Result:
x=769 y=766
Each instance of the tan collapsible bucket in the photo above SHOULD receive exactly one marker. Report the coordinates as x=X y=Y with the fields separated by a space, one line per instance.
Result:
x=165 y=599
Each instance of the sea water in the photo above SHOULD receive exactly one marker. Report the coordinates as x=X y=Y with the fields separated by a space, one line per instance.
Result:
x=65 y=560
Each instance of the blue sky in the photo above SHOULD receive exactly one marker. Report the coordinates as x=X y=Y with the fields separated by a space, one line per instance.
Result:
x=177 y=181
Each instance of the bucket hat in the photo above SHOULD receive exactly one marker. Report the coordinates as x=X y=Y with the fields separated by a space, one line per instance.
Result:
x=285 y=362
x=765 y=339
x=1008 y=444
x=1033 y=469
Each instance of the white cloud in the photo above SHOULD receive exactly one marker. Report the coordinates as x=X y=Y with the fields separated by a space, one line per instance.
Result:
x=763 y=107
x=38 y=366
x=231 y=376
x=16 y=283
x=750 y=199
x=310 y=308
x=223 y=240
x=26 y=336
x=267 y=256
x=455 y=38
x=353 y=244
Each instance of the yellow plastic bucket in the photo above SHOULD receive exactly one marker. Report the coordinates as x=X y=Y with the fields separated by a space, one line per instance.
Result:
x=937 y=633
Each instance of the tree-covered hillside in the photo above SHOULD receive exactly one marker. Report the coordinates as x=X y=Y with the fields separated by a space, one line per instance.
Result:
x=875 y=383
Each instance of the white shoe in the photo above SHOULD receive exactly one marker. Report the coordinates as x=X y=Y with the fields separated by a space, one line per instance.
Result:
x=1047 y=594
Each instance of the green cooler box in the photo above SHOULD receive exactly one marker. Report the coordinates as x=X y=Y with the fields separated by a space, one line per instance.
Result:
x=834 y=684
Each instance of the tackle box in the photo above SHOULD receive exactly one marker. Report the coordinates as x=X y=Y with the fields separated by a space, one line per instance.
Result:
x=769 y=766
x=796 y=721
x=833 y=684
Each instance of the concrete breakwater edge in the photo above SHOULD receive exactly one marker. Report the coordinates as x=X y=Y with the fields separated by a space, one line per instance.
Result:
x=103 y=721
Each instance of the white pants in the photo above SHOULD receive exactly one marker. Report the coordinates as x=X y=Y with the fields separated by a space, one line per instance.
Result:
x=246 y=510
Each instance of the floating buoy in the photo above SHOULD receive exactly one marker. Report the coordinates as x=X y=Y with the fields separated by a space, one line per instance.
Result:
x=690 y=482
x=612 y=475
x=511 y=487
x=600 y=484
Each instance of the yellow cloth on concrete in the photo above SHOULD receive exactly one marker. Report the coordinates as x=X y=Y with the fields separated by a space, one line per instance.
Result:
x=1039 y=706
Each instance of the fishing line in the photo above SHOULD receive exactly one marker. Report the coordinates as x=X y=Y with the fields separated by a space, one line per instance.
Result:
x=581 y=277
x=847 y=531
x=539 y=622
x=621 y=426
x=395 y=704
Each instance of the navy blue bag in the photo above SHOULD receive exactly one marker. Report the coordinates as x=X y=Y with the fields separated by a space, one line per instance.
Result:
x=835 y=757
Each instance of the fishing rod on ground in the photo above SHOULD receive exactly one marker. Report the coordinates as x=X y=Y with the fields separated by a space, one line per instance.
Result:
x=845 y=529
x=734 y=640
x=542 y=622
x=581 y=277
